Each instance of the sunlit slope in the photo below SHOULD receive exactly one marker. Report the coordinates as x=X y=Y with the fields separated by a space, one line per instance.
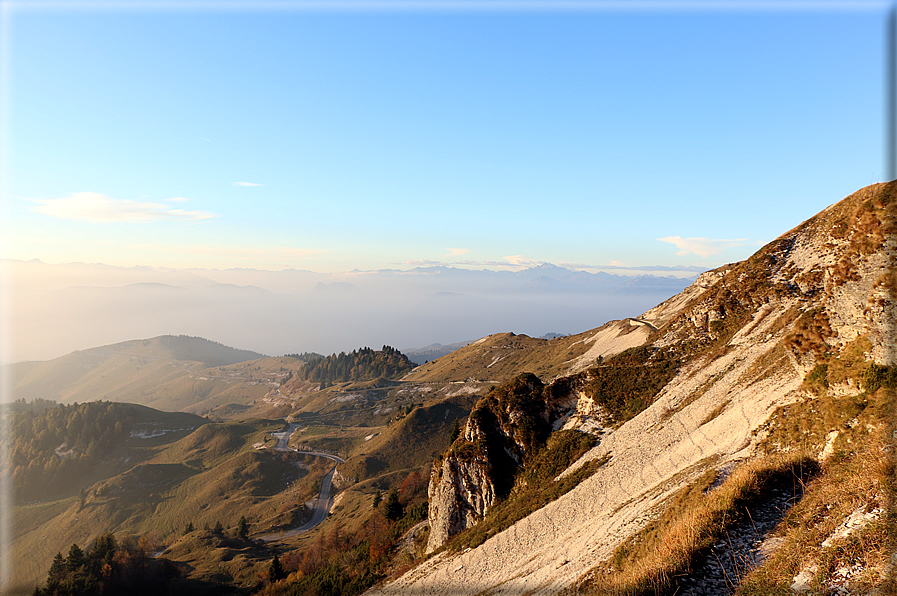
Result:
x=167 y=373
x=50 y=478
x=410 y=441
x=502 y=356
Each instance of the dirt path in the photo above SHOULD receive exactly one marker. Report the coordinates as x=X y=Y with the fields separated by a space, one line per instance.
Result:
x=409 y=537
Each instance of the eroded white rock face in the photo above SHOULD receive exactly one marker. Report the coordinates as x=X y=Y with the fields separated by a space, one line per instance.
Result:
x=587 y=416
x=552 y=548
x=609 y=339
x=459 y=494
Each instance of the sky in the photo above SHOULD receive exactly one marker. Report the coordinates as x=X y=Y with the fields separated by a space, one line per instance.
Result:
x=379 y=135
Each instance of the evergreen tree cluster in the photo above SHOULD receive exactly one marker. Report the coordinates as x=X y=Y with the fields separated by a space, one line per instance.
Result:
x=82 y=434
x=361 y=365
x=109 y=567
x=305 y=356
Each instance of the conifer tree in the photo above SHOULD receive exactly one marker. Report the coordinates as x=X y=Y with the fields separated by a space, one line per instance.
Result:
x=392 y=509
x=103 y=547
x=276 y=571
x=243 y=528
x=57 y=568
x=75 y=558
x=456 y=431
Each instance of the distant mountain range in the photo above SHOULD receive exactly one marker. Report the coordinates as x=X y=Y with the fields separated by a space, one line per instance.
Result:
x=63 y=308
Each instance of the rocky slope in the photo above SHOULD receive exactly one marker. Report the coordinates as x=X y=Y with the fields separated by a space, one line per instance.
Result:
x=739 y=344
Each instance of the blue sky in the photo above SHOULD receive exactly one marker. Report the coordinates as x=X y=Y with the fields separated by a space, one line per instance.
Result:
x=227 y=136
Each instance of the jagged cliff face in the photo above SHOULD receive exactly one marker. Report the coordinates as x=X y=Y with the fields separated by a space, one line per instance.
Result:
x=738 y=344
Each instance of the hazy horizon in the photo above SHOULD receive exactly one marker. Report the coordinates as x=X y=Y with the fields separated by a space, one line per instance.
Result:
x=239 y=143
x=62 y=308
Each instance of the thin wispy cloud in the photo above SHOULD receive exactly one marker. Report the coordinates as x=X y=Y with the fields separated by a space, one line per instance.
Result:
x=515 y=262
x=703 y=247
x=242 y=253
x=456 y=252
x=425 y=263
x=246 y=184
x=521 y=261
x=95 y=207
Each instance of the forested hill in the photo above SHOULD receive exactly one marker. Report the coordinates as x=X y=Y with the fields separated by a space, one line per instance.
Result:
x=360 y=365
x=53 y=450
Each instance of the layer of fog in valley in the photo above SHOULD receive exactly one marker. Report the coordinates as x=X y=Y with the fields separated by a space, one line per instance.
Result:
x=57 y=309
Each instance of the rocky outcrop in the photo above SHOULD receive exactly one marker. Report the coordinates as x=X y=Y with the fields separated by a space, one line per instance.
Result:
x=459 y=494
x=504 y=429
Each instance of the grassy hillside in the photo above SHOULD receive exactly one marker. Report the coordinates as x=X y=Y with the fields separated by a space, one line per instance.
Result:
x=410 y=441
x=167 y=373
x=57 y=452
x=500 y=357
x=155 y=486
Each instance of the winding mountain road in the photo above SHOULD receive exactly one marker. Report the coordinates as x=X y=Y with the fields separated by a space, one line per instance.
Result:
x=324 y=502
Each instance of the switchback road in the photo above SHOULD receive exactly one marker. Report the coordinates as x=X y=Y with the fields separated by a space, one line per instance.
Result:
x=324 y=502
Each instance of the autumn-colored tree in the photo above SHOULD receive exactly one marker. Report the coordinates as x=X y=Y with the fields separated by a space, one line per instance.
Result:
x=333 y=541
x=378 y=534
x=313 y=558
x=413 y=485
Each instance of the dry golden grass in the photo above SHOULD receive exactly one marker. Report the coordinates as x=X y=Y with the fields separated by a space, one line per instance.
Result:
x=809 y=333
x=694 y=520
